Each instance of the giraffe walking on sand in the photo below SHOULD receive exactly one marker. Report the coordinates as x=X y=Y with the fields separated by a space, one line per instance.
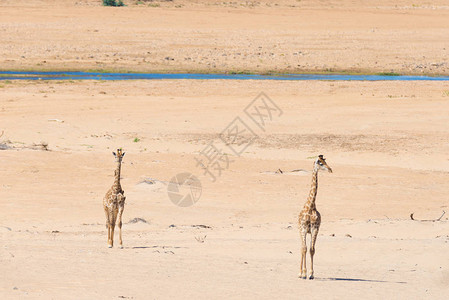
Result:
x=114 y=202
x=310 y=218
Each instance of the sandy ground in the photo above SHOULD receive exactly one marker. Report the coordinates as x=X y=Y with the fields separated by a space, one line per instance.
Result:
x=227 y=36
x=387 y=144
x=386 y=141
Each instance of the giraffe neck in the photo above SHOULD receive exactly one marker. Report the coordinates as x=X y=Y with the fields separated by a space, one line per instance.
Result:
x=117 y=185
x=310 y=204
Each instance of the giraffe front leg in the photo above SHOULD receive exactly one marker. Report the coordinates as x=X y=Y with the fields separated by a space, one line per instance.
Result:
x=108 y=226
x=113 y=219
x=110 y=231
x=109 y=236
x=314 y=234
x=303 y=273
x=107 y=216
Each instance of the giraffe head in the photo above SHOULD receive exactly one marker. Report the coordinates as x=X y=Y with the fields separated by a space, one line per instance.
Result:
x=320 y=164
x=119 y=155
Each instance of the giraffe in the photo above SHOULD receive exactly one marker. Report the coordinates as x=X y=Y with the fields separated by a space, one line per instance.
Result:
x=114 y=202
x=310 y=218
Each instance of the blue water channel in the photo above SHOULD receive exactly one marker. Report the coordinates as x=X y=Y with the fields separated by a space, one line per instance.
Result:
x=24 y=75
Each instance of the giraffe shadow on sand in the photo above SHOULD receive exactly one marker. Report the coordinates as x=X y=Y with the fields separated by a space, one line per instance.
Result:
x=357 y=280
x=156 y=247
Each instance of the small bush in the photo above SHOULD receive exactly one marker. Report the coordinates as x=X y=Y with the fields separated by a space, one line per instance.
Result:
x=113 y=3
x=388 y=74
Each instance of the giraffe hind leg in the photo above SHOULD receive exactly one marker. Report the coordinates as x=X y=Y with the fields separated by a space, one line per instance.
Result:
x=120 y=212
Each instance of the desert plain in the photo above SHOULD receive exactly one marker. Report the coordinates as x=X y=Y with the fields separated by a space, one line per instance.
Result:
x=387 y=142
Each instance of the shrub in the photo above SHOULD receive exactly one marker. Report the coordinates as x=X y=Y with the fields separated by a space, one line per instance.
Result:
x=113 y=3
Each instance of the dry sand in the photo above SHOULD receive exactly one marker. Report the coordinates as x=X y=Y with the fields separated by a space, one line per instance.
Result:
x=386 y=141
x=216 y=36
